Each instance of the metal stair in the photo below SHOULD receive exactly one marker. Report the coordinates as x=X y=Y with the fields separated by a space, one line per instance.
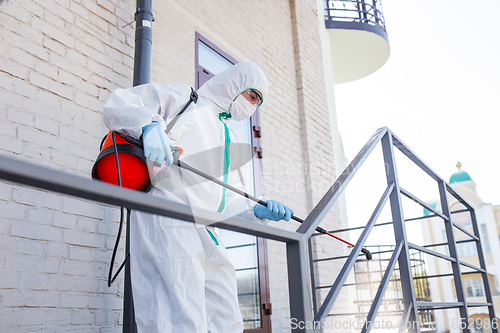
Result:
x=401 y=253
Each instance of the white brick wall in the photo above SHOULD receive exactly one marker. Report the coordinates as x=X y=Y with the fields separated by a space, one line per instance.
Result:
x=58 y=62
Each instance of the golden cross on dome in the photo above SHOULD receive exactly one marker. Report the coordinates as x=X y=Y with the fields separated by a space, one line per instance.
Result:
x=458 y=165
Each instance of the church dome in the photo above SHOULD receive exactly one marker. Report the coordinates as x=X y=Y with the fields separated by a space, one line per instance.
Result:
x=459 y=176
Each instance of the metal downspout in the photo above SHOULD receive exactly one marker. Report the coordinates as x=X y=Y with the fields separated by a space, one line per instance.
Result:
x=143 y=39
x=142 y=67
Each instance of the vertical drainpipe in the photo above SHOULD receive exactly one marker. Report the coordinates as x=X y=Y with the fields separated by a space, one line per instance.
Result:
x=143 y=40
x=142 y=67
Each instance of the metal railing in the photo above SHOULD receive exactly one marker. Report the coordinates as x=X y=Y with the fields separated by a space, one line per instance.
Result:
x=297 y=242
x=413 y=307
x=355 y=14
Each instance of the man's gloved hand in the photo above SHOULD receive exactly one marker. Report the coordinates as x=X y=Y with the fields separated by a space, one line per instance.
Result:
x=157 y=144
x=274 y=211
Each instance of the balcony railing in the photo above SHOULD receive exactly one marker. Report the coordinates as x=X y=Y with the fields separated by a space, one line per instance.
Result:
x=355 y=14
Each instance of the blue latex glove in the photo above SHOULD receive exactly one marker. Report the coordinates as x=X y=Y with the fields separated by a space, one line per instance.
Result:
x=274 y=211
x=157 y=144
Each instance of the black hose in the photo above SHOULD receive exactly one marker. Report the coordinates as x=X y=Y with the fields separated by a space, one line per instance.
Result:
x=112 y=278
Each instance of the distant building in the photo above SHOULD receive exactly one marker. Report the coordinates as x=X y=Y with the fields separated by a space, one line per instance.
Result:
x=442 y=289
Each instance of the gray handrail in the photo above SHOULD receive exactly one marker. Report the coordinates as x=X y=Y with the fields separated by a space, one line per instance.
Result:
x=58 y=181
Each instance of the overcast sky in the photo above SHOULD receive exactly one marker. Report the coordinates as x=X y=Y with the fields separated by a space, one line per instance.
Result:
x=439 y=91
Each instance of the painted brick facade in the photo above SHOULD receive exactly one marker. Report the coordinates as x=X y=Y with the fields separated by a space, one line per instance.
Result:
x=59 y=60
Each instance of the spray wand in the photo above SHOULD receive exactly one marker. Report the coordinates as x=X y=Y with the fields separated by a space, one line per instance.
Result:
x=183 y=165
x=176 y=151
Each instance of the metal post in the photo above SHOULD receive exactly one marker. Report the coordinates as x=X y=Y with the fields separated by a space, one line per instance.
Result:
x=375 y=11
x=405 y=272
x=360 y=11
x=301 y=317
x=455 y=266
x=482 y=263
x=142 y=68
x=129 y=325
x=314 y=285
x=364 y=13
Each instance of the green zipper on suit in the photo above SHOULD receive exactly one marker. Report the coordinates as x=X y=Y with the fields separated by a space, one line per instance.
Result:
x=227 y=144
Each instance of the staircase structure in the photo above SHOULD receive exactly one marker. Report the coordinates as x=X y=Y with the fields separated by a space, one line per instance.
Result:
x=305 y=316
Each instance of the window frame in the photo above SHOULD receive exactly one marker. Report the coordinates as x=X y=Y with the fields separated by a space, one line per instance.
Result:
x=476 y=286
x=200 y=72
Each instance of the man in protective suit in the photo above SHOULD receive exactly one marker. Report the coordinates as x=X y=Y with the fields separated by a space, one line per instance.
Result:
x=182 y=280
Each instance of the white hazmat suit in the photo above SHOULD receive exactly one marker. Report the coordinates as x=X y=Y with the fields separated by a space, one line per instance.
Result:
x=182 y=280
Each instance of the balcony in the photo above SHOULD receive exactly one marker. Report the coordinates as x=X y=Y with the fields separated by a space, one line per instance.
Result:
x=358 y=38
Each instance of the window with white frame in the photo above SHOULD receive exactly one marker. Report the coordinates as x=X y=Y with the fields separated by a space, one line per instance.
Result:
x=466 y=249
x=485 y=239
x=474 y=287
x=497 y=286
